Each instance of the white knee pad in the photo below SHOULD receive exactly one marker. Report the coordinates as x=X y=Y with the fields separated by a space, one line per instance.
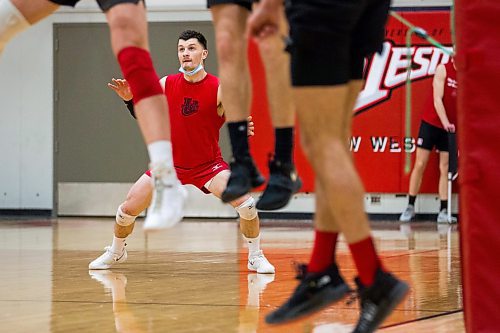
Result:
x=124 y=219
x=247 y=209
x=12 y=22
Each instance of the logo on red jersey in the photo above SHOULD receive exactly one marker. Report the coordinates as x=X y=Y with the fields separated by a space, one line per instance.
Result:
x=189 y=107
x=451 y=83
x=216 y=167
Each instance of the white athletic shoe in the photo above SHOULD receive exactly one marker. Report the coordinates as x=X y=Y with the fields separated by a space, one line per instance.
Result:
x=443 y=217
x=408 y=214
x=108 y=259
x=167 y=204
x=258 y=262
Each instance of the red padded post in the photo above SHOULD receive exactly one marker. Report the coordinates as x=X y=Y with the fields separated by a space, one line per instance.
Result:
x=478 y=61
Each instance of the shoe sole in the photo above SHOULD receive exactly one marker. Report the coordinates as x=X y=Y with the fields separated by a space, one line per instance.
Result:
x=256 y=182
x=255 y=270
x=447 y=222
x=299 y=313
x=279 y=204
x=397 y=295
x=231 y=196
x=99 y=268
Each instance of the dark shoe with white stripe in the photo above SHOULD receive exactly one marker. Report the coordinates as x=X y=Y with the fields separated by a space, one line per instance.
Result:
x=379 y=300
x=316 y=291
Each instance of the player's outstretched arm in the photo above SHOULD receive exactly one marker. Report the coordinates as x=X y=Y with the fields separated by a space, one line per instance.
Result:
x=121 y=88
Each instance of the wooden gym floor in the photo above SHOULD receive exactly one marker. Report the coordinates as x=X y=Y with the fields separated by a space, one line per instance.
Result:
x=193 y=278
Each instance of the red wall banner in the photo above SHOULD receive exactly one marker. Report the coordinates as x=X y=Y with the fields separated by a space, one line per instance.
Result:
x=378 y=140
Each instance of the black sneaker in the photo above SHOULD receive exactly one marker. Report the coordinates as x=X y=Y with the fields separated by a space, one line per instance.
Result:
x=244 y=176
x=315 y=292
x=283 y=183
x=378 y=300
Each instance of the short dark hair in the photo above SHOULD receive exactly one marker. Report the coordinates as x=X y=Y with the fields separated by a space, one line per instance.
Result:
x=188 y=34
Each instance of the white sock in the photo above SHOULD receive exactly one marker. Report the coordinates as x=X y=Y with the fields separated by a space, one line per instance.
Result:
x=253 y=245
x=118 y=245
x=12 y=22
x=161 y=152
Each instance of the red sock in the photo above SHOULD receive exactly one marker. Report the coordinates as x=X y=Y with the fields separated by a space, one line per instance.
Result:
x=323 y=254
x=366 y=260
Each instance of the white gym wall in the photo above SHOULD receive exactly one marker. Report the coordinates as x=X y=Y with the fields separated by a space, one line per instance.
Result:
x=27 y=122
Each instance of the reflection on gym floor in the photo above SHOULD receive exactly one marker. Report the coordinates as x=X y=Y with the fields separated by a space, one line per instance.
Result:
x=193 y=278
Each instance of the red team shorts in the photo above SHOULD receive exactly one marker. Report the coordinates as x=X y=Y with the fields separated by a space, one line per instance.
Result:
x=200 y=175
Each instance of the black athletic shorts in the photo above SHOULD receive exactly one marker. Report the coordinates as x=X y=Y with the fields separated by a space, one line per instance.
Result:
x=243 y=3
x=329 y=39
x=104 y=4
x=430 y=136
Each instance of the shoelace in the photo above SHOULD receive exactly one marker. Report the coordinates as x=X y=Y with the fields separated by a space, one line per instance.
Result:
x=301 y=270
x=116 y=256
x=159 y=186
x=256 y=256
x=353 y=296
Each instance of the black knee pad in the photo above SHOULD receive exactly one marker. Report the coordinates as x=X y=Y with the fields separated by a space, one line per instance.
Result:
x=108 y=4
x=247 y=4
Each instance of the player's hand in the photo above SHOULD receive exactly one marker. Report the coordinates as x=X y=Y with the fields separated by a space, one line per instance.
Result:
x=250 y=126
x=264 y=20
x=121 y=88
x=449 y=128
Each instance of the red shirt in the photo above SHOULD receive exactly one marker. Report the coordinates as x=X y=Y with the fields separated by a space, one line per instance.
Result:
x=449 y=100
x=194 y=121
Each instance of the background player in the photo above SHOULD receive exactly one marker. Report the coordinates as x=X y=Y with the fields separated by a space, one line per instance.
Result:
x=197 y=115
x=129 y=41
x=438 y=119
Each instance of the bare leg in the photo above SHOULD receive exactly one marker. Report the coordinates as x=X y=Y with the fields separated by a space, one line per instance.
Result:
x=421 y=160
x=128 y=27
x=277 y=67
x=35 y=10
x=18 y=15
x=249 y=227
x=323 y=139
x=443 y=175
x=231 y=42
x=322 y=211
x=283 y=180
x=354 y=89
x=138 y=199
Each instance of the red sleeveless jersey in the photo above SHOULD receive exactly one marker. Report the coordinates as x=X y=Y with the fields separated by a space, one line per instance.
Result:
x=449 y=100
x=194 y=121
